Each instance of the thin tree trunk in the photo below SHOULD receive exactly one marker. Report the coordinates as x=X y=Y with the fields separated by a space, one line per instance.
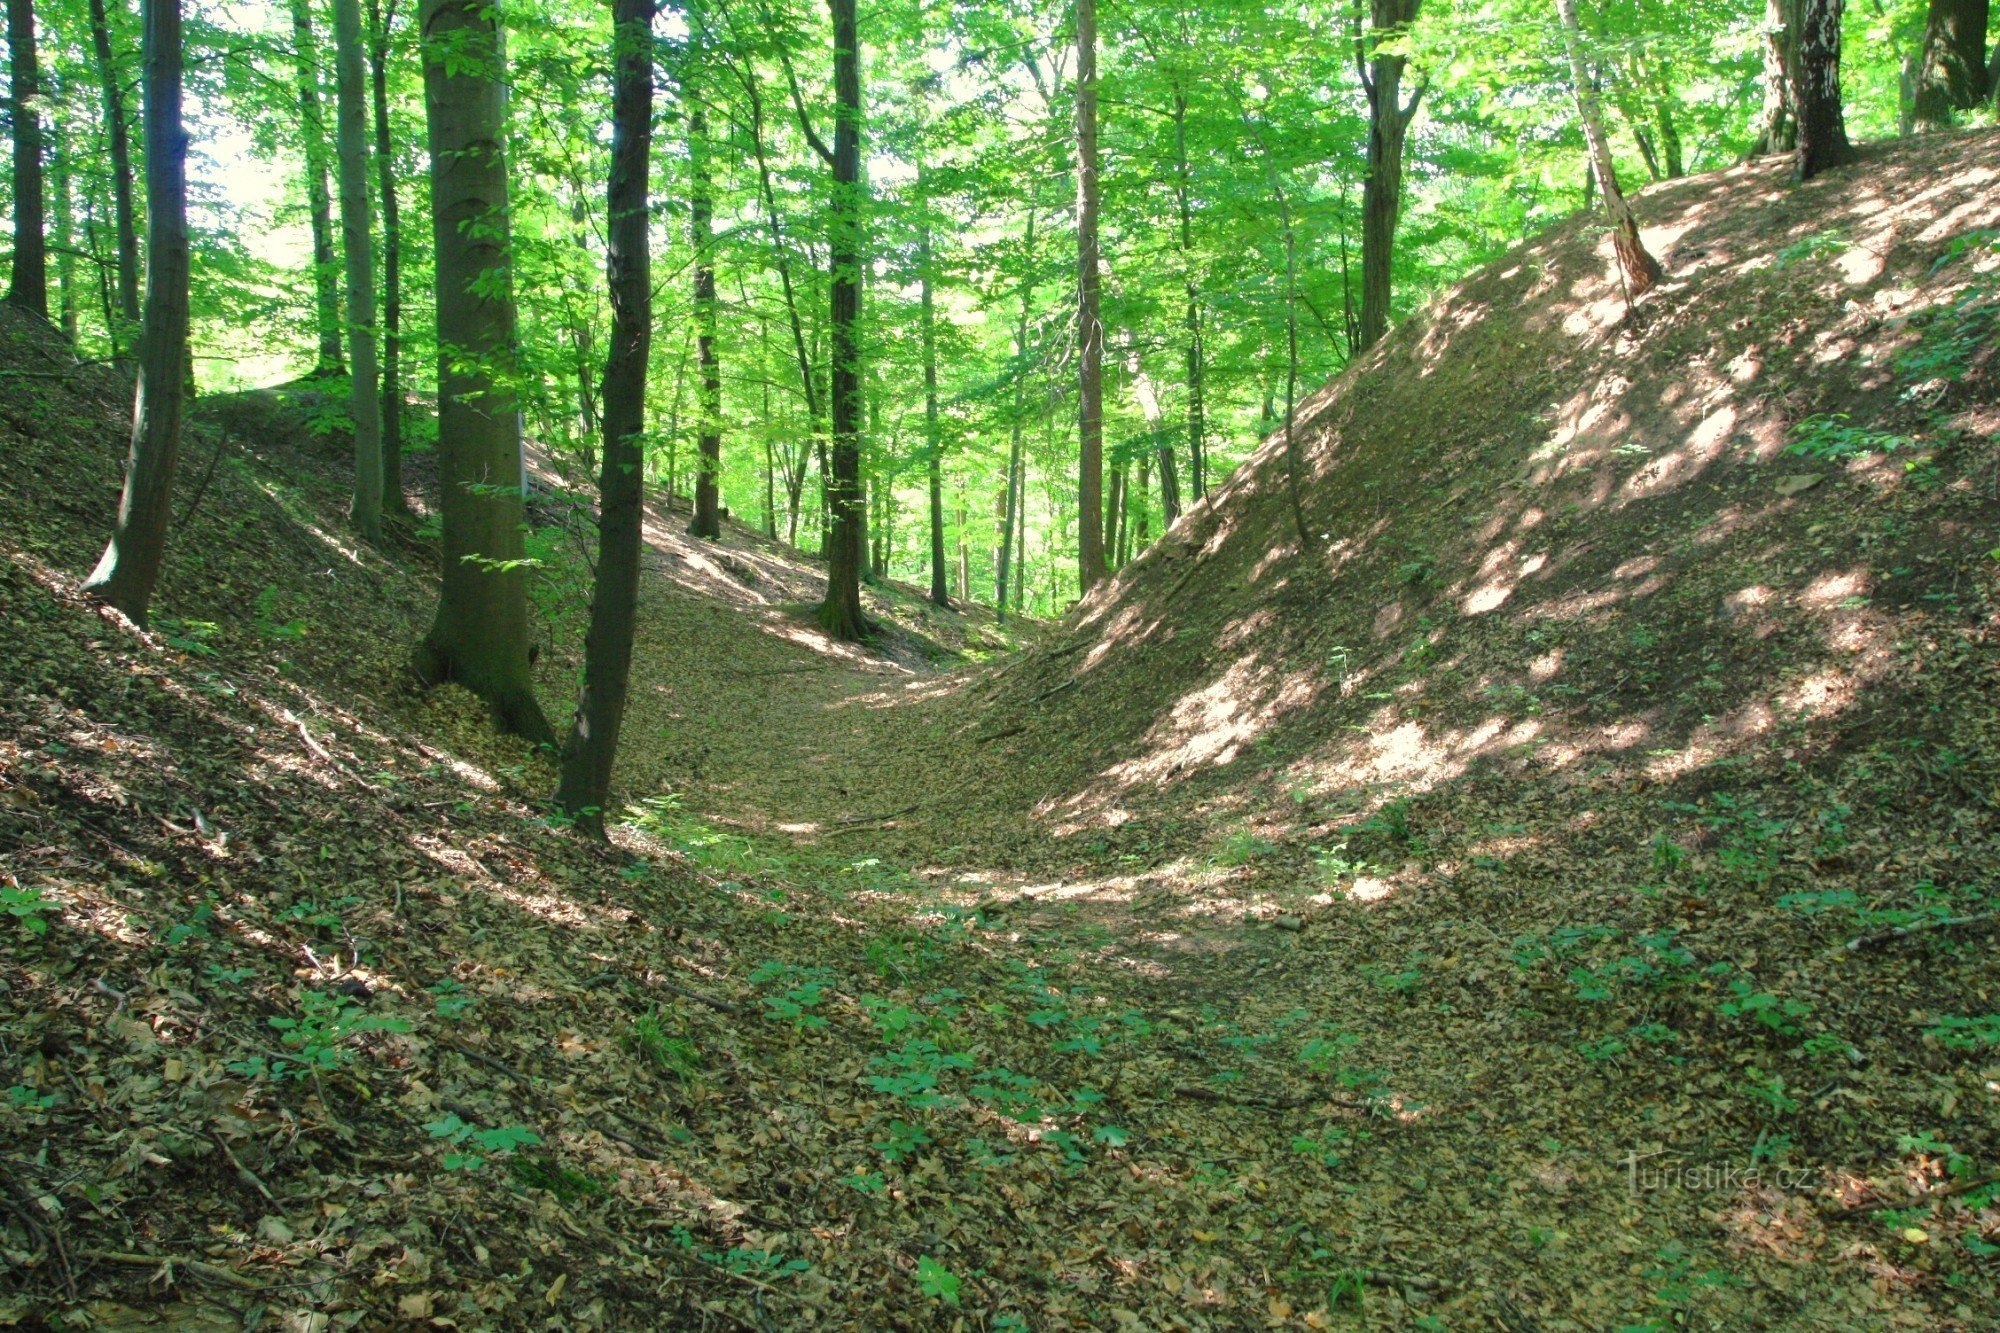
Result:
x=129 y=569
x=319 y=199
x=1389 y=117
x=1777 y=122
x=933 y=440
x=120 y=145
x=358 y=247
x=707 y=521
x=29 y=288
x=480 y=638
x=1090 y=324
x=1294 y=466
x=1114 y=510
x=65 y=230
x=393 y=501
x=1670 y=137
x=607 y=652
x=840 y=615
x=1952 y=75
x=1641 y=270
x=1197 y=388
x=1823 y=141
x=1003 y=565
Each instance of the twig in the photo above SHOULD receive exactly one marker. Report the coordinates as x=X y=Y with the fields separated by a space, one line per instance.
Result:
x=999 y=735
x=720 y=1006
x=1196 y=1092
x=243 y=1173
x=1069 y=684
x=22 y=1205
x=1983 y=921
x=213 y=1272
x=857 y=821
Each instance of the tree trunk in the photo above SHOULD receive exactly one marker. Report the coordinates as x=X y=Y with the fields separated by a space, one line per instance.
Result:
x=1197 y=388
x=1003 y=566
x=1777 y=121
x=707 y=521
x=120 y=144
x=480 y=638
x=1823 y=141
x=1670 y=137
x=933 y=440
x=393 y=501
x=358 y=248
x=1389 y=119
x=65 y=230
x=1114 y=512
x=1089 y=324
x=130 y=566
x=312 y=134
x=1641 y=270
x=607 y=651
x=29 y=288
x=840 y=615
x=1952 y=76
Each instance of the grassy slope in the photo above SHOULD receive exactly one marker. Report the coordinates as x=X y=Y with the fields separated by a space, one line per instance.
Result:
x=1562 y=613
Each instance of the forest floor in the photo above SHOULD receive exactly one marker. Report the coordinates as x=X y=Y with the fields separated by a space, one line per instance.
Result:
x=1266 y=946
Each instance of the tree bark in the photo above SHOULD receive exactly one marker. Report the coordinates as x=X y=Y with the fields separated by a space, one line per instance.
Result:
x=29 y=288
x=129 y=569
x=393 y=501
x=1952 y=75
x=1197 y=388
x=319 y=199
x=1777 y=122
x=480 y=637
x=358 y=248
x=1003 y=565
x=933 y=439
x=1089 y=322
x=1641 y=270
x=840 y=615
x=1389 y=117
x=1823 y=141
x=65 y=229
x=707 y=520
x=607 y=652
x=120 y=145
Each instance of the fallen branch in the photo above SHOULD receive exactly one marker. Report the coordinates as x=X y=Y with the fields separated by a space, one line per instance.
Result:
x=1069 y=684
x=213 y=1272
x=859 y=821
x=1269 y=1102
x=720 y=1006
x=999 y=735
x=1983 y=921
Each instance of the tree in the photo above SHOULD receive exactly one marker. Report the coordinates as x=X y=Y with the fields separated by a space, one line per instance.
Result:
x=480 y=636
x=111 y=87
x=319 y=201
x=1380 y=65
x=933 y=439
x=1823 y=141
x=129 y=569
x=1640 y=269
x=379 y=23
x=607 y=652
x=1089 y=321
x=707 y=521
x=29 y=287
x=1777 y=121
x=840 y=615
x=1952 y=75
x=358 y=247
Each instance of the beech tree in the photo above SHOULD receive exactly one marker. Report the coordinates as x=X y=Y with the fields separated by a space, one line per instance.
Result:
x=319 y=199
x=129 y=569
x=607 y=653
x=379 y=21
x=118 y=142
x=707 y=521
x=357 y=245
x=29 y=287
x=1089 y=319
x=1952 y=74
x=840 y=615
x=480 y=636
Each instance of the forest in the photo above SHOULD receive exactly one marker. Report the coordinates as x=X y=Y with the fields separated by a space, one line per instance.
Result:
x=1000 y=666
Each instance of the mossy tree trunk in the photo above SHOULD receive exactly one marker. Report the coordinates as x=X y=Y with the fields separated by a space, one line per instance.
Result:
x=607 y=651
x=480 y=636
x=1952 y=75
x=129 y=569
x=707 y=522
